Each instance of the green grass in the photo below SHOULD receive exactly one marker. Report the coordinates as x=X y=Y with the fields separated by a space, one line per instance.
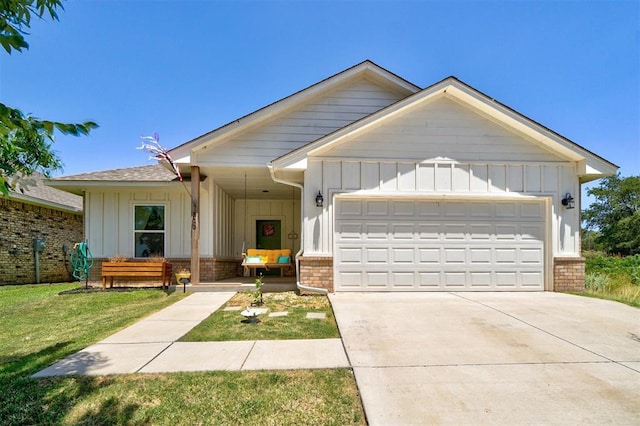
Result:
x=613 y=278
x=227 y=325
x=40 y=327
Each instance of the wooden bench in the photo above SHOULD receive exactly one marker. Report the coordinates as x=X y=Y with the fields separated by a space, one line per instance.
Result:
x=268 y=259
x=161 y=270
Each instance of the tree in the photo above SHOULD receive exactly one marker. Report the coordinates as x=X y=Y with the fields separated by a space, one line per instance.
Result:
x=615 y=214
x=25 y=141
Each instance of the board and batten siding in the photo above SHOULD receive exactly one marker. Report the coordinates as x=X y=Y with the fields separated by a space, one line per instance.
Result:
x=247 y=212
x=109 y=220
x=453 y=180
x=442 y=129
x=317 y=117
x=223 y=219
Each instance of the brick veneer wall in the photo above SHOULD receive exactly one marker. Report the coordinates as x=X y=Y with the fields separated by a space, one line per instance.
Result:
x=568 y=273
x=20 y=223
x=317 y=272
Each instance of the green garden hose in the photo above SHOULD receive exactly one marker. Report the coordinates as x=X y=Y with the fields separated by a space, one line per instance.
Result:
x=81 y=261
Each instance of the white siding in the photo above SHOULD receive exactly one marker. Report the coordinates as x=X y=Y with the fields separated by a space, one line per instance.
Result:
x=109 y=225
x=441 y=129
x=464 y=180
x=223 y=223
x=316 y=118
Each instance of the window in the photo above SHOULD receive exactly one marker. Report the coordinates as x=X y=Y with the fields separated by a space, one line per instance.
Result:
x=149 y=231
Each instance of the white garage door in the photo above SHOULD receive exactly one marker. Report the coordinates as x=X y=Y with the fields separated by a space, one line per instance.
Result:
x=427 y=245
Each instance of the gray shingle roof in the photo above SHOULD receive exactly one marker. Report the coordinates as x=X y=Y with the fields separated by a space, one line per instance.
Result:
x=33 y=189
x=151 y=173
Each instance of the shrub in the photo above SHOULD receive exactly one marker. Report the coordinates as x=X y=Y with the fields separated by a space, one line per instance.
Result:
x=596 y=282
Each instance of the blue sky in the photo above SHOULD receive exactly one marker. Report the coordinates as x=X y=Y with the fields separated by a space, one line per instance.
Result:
x=183 y=68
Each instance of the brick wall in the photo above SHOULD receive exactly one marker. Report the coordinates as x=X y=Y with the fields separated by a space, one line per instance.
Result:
x=568 y=274
x=317 y=272
x=20 y=223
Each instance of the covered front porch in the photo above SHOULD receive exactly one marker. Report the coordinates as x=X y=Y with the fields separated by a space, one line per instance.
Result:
x=237 y=209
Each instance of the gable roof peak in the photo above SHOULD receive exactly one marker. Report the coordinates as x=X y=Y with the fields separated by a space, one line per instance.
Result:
x=366 y=68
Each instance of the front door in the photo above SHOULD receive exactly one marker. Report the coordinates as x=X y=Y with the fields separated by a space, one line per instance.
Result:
x=268 y=237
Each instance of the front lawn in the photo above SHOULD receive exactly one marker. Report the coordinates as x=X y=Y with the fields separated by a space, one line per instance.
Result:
x=40 y=327
x=228 y=324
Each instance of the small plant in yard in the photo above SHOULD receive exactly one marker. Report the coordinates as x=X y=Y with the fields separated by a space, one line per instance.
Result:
x=596 y=281
x=257 y=294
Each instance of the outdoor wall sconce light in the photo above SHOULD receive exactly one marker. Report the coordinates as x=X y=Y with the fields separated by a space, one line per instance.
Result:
x=319 y=199
x=568 y=201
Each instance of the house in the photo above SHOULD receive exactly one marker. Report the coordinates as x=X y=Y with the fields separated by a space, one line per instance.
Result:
x=35 y=213
x=375 y=183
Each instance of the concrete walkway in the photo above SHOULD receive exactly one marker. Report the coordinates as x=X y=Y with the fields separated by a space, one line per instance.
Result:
x=150 y=346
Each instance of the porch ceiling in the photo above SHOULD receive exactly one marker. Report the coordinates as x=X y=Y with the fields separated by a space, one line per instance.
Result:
x=258 y=180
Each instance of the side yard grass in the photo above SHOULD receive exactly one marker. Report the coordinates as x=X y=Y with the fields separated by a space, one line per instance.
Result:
x=39 y=327
x=613 y=278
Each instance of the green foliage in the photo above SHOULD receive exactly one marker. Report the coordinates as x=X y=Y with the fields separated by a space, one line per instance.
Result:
x=15 y=18
x=596 y=281
x=615 y=214
x=613 y=277
x=25 y=142
x=614 y=266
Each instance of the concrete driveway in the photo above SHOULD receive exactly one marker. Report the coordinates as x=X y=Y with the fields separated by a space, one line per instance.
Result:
x=492 y=358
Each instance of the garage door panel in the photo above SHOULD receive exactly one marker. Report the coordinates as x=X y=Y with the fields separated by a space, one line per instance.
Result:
x=455 y=279
x=350 y=280
x=403 y=279
x=377 y=255
x=456 y=231
x=376 y=208
x=436 y=245
x=454 y=256
x=531 y=279
x=506 y=232
x=531 y=232
x=429 y=280
x=375 y=231
x=480 y=280
x=351 y=255
x=429 y=256
x=506 y=279
x=428 y=231
x=403 y=255
x=480 y=256
x=350 y=231
x=377 y=280
x=402 y=231
x=531 y=256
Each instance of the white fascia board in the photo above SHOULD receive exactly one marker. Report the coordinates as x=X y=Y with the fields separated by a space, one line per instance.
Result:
x=536 y=132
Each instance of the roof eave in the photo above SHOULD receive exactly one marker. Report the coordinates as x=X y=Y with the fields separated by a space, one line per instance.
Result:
x=44 y=203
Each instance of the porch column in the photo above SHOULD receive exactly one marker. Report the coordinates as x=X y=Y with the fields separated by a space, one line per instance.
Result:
x=195 y=225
